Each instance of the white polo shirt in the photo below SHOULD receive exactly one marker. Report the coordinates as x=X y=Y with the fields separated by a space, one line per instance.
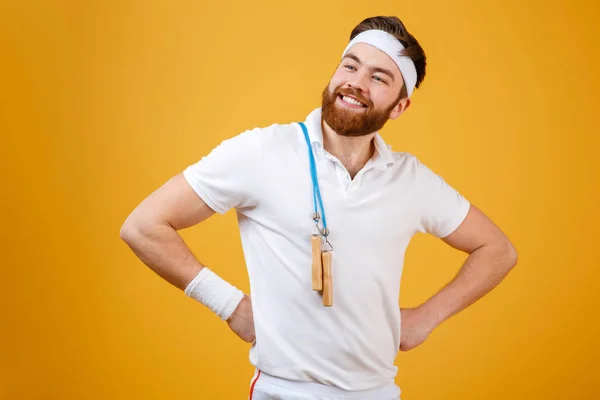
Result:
x=264 y=174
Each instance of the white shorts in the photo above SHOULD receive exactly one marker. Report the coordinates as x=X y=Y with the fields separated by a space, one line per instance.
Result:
x=269 y=387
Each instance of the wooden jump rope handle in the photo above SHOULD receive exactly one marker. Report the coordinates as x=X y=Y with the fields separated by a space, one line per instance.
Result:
x=327 y=282
x=317 y=268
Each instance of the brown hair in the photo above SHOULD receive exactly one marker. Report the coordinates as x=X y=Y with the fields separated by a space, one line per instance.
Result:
x=395 y=27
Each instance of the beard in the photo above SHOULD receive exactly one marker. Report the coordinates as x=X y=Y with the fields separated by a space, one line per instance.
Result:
x=347 y=122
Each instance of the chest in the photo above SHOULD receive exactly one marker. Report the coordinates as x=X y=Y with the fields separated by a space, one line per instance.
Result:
x=376 y=206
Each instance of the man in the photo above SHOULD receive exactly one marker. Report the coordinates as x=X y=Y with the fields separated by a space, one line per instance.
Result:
x=338 y=337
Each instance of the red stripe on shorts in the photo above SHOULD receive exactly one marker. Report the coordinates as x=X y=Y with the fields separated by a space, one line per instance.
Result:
x=253 y=383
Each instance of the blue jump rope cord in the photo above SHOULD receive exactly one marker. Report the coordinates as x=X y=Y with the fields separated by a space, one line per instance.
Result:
x=315 y=181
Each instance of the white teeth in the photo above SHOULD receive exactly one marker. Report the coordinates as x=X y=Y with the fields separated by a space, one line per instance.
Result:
x=352 y=101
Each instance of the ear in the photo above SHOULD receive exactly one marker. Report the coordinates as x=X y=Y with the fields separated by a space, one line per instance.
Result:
x=400 y=108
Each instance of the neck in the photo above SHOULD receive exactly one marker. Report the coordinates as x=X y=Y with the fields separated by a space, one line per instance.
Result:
x=352 y=151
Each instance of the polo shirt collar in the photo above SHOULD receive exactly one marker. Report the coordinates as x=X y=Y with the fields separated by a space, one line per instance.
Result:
x=383 y=157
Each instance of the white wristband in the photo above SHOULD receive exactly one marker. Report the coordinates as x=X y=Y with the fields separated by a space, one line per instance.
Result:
x=215 y=293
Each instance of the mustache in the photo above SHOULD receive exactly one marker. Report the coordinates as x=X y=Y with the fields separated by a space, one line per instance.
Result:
x=354 y=93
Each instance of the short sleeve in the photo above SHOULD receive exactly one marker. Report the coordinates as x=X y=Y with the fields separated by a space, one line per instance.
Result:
x=228 y=176
x=441 y=207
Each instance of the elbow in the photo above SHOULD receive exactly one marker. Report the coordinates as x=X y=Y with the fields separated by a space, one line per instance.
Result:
x=138 y=229
x=505 y=254
x=131 y=230
x=128 y=232
x=511 y=255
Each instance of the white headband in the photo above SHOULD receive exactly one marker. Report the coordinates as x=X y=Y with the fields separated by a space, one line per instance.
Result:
x=392 y=47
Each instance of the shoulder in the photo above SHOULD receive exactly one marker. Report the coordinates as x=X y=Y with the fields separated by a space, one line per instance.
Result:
x=407 y=162
x=261 y=137
x=281 y=133
x=405 y=159
x=277 y=131
x=276 y=137
x=412 y=171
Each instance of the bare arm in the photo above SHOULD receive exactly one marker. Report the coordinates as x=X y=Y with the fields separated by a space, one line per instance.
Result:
x=151 y=230
x=491 y=257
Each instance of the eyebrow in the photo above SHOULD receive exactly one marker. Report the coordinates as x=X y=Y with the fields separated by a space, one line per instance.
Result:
x=375 y=69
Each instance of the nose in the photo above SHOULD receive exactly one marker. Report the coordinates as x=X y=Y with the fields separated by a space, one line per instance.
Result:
x=359 y=81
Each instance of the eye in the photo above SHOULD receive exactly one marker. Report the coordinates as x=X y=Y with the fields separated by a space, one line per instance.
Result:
x=378 y=79
x=350 y=67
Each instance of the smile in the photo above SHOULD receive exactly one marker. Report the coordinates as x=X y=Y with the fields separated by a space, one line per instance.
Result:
x=351 y=101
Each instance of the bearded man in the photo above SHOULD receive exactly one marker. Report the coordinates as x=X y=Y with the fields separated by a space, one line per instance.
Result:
x=326 y=211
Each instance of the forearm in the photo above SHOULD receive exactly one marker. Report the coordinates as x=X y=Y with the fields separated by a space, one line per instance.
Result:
x=163 y=250
x=483 y=270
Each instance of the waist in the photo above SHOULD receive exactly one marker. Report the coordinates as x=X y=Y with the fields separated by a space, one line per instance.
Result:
x=313 y=390
x=310 y=345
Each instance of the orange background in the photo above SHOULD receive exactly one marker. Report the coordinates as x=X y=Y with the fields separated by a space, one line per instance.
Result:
x=102 y=102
